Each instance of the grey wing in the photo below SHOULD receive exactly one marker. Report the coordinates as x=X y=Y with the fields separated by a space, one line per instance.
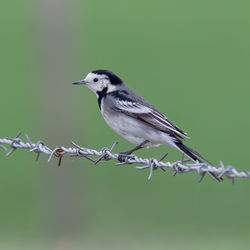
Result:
x=149 y=115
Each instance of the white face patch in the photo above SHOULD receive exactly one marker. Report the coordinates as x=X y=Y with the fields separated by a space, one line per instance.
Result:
x=97 y=82
x=111 y=88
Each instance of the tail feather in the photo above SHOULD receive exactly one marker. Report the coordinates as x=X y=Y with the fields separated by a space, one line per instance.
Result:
x=195 y=156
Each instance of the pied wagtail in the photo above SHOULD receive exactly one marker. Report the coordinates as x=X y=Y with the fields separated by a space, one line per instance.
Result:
x=133 y=117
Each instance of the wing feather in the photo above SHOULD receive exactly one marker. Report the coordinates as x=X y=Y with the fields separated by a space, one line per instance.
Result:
x=150 y=116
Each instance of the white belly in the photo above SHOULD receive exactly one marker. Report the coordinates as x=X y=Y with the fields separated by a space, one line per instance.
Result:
x=135 y=131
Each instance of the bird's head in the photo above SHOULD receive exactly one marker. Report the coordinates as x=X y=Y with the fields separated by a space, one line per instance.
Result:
x=101 y=80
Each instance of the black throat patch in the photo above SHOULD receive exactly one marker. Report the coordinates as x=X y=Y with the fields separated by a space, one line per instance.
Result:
x=101 y=95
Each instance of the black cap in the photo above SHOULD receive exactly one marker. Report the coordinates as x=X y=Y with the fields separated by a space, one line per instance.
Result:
x=114 y=79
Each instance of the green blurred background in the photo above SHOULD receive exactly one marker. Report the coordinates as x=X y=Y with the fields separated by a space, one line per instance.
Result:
x=190 y=59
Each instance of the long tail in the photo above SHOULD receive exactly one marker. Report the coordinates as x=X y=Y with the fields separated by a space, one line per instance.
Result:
x=195 y=156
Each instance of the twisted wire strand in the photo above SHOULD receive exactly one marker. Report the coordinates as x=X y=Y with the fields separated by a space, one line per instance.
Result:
x=106 y=154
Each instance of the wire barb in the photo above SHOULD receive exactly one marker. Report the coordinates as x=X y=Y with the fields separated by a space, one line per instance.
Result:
x=106 y=154
x=15 y=141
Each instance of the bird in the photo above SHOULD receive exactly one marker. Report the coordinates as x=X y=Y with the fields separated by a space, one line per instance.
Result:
x=134 y=118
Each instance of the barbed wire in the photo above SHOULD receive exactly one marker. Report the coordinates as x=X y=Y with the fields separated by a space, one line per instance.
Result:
x=106 y=154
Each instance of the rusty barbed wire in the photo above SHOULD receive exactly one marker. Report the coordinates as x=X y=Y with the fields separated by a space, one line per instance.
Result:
x=106 y=154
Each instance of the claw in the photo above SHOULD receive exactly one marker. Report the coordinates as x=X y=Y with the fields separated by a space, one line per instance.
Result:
x=122 y=157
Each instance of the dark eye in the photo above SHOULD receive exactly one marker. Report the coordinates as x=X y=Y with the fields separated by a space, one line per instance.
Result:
x=95 y=80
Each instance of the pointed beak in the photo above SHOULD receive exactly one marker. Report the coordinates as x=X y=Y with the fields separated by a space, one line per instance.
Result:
x=81 y=82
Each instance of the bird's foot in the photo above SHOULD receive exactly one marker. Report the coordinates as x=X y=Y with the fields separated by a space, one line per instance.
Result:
x=123 y=156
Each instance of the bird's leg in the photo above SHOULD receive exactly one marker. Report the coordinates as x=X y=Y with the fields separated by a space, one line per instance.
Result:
x=136 y=148
x=122 y=155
